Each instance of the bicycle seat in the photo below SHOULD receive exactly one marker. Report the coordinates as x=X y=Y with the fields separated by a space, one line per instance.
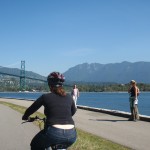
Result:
x=59 y=147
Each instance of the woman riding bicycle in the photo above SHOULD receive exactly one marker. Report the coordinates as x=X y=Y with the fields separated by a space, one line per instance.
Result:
x=59 y=108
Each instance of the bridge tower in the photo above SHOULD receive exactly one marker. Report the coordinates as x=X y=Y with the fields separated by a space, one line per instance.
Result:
x=22 y=76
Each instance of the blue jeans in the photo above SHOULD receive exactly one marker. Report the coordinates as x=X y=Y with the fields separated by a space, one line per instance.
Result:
x=133 y=109
x=51 y=136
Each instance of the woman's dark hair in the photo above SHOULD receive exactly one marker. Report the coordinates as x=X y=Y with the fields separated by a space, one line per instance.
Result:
x=58 y=90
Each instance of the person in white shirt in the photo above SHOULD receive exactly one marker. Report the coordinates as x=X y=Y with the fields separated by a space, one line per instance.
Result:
x=75 y=94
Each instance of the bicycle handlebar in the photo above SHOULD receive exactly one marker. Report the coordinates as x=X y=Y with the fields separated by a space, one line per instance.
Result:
x=31 y=119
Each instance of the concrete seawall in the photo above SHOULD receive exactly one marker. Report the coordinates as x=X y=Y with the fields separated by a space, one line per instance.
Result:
x=113 y=112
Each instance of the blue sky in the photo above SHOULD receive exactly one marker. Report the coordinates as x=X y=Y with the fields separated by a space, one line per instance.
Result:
x=55 y=35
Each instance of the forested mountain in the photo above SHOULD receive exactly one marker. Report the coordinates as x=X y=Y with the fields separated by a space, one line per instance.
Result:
x=99 y=73
x=89 y=77
x=112 y=72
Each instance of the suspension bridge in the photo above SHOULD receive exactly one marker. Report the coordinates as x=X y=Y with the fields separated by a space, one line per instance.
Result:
x=22 y=76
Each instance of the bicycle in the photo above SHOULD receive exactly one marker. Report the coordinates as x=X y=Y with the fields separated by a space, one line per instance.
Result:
x=52 y=147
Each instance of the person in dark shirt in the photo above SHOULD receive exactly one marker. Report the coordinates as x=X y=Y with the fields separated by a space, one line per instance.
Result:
x=133 y=99
x=59 y=108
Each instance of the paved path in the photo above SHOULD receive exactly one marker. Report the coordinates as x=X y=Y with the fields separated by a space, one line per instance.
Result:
x=135 y=135
x=13 y=134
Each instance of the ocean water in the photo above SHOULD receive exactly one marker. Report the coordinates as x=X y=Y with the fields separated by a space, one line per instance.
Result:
x=106 y=100
x=115 y=101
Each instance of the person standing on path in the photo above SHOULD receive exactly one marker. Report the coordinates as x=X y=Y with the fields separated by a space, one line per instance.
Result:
x=75 y=94
x=133 y=99
x=59 y=108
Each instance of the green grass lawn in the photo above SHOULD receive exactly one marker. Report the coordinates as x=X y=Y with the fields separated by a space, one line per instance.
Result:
x=85 y=141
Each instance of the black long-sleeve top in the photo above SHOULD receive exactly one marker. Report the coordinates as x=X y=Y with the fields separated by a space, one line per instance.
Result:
x=57 y=109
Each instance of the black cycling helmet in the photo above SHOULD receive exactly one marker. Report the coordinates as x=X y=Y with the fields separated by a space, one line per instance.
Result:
x=55 y=79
